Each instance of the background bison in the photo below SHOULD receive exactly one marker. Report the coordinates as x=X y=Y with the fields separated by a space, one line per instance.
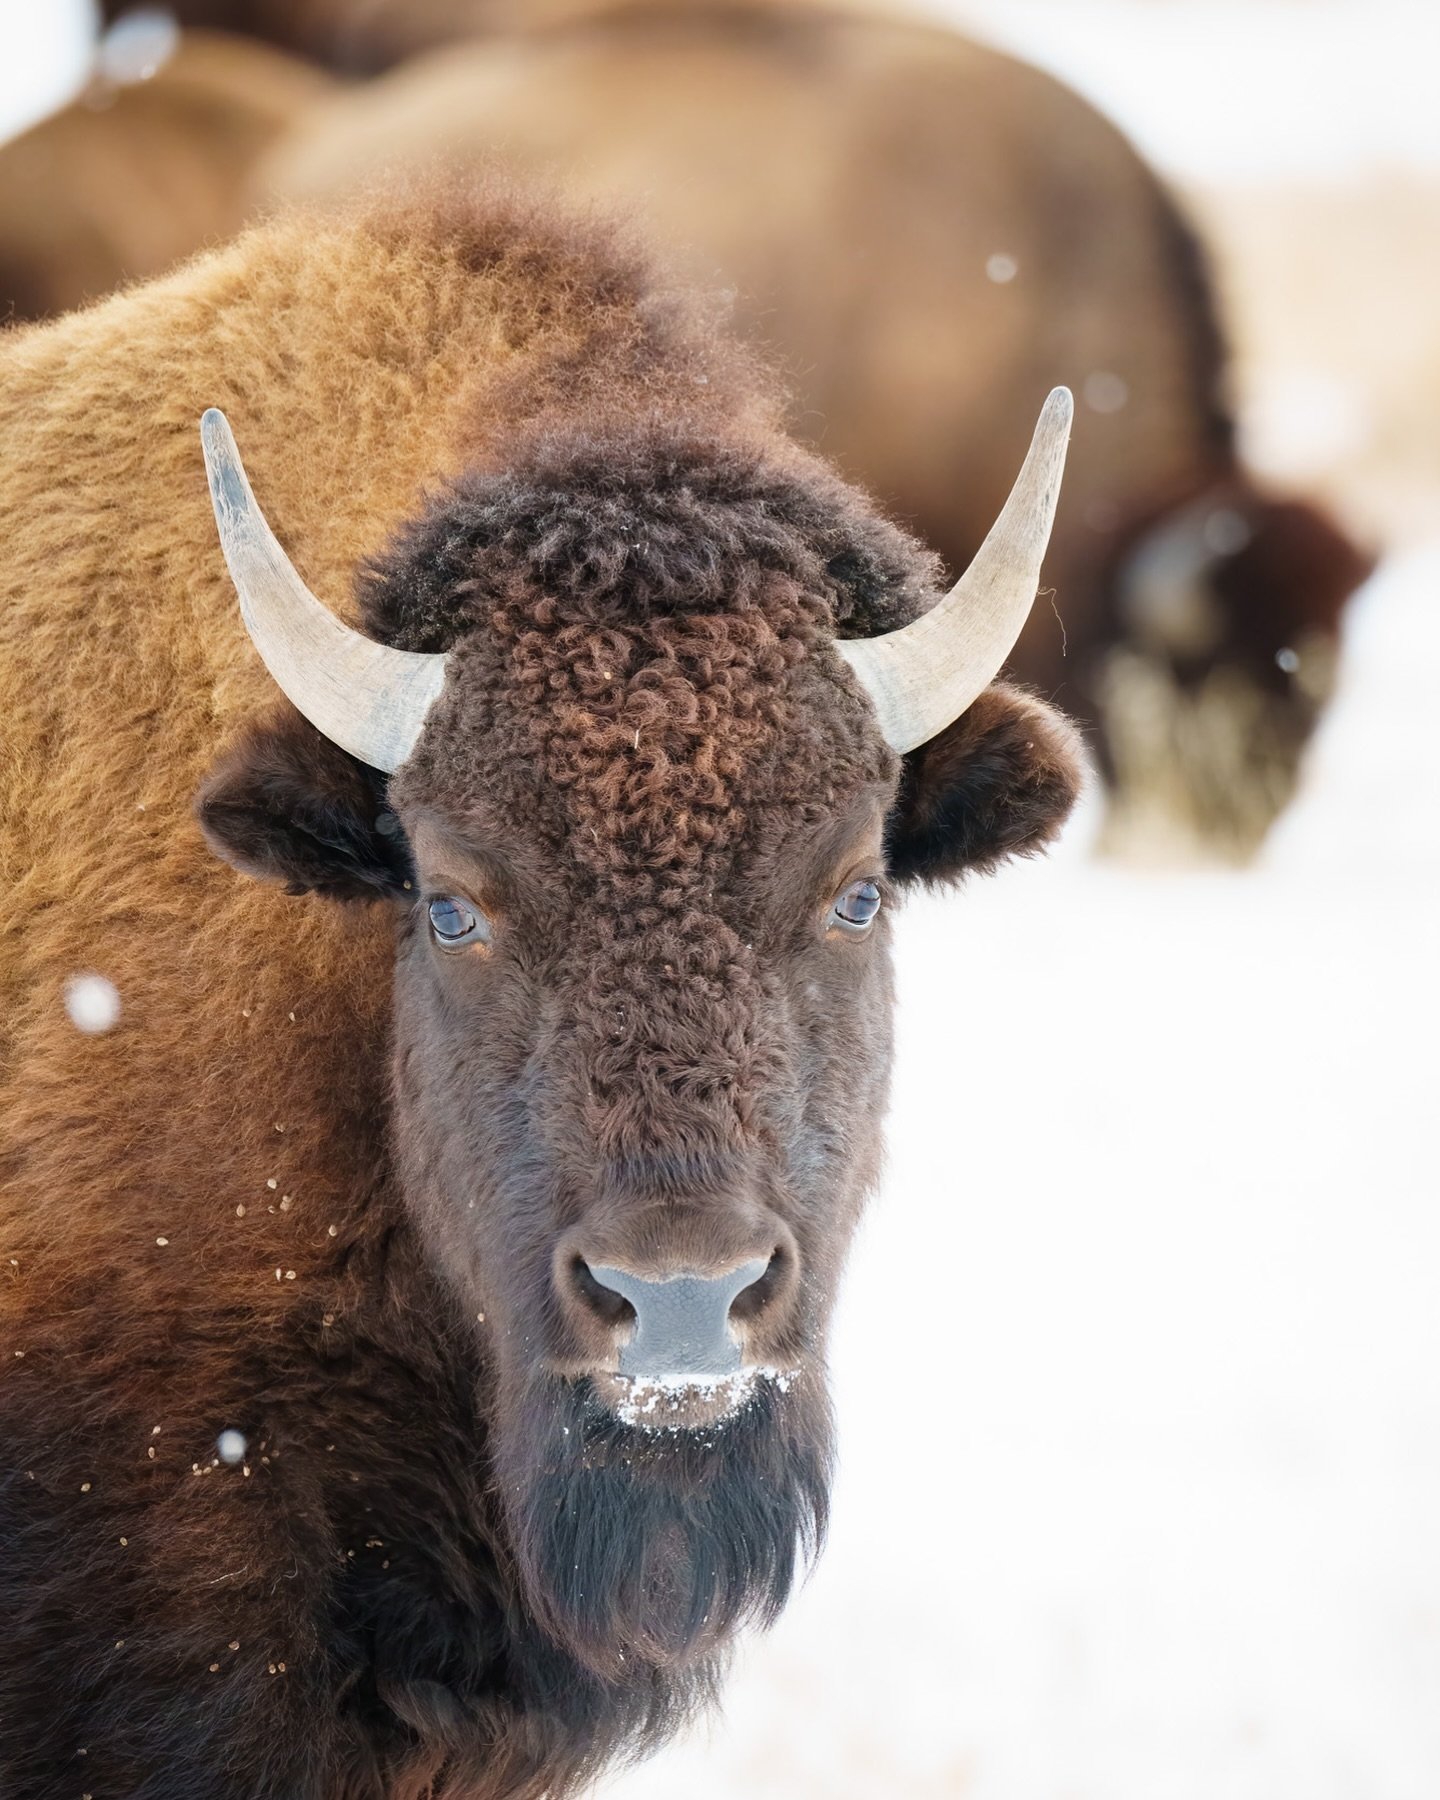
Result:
x=137 y=175
x=359 y=37
x=898 y=212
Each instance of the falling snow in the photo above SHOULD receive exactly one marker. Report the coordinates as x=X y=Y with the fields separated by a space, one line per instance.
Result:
x=1104 y=392
x=1138 y=1478
x=93 y=1003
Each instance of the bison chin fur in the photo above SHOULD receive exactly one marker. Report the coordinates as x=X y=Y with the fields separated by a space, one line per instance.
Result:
x=647 y=1549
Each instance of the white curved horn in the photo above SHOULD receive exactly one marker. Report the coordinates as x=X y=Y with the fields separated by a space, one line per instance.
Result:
x=366 y=697
x=923 y=676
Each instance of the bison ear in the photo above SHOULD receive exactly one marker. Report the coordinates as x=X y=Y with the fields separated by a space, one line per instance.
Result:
x=998 y=782
x=285 y=804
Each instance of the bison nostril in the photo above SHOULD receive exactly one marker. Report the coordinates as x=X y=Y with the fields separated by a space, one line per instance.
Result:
x=683 y=1322
x=607 y=1305
x=752 y=1300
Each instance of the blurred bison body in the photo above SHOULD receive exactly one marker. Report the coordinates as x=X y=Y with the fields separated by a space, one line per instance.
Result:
x=133 y=177
x=399 y=1191
x=931 y=234
x=358 y=37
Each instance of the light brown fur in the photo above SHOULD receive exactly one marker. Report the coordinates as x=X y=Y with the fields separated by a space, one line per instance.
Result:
x=361 y=37
x=852 y=172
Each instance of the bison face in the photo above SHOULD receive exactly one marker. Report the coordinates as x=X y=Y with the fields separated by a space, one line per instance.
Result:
x=638 y=1093
x=642 y=857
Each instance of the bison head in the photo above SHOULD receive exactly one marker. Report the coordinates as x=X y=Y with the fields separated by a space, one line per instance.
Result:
x=1226 y=641
x=640 y=808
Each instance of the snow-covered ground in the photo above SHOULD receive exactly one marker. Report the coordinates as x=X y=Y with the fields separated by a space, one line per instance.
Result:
x=1138 y=1365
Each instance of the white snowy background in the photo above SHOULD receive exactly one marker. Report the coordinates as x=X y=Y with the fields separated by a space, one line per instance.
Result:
x=1138 y=1367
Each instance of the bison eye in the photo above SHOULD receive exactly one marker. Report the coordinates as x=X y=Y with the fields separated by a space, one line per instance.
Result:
x=456 y=925
x=856 y=908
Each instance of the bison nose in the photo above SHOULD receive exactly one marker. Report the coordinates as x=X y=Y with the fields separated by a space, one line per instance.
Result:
x=684 y=1323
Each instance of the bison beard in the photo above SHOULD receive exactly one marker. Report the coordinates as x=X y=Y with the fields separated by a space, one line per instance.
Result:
x=651 y=1547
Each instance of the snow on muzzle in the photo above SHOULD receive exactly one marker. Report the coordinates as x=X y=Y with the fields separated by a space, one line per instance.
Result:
x=683 y=1362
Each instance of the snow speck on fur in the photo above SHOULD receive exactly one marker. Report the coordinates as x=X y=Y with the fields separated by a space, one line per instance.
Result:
x=92 y=1003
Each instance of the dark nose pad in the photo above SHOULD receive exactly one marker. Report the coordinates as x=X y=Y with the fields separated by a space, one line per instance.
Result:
x=682 y=1322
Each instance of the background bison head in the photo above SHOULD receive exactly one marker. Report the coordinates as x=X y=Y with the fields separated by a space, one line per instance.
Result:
x=640 y=859
x=1223 y=656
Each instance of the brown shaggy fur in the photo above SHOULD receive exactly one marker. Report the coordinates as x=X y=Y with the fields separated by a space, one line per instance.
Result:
x=280 y=1197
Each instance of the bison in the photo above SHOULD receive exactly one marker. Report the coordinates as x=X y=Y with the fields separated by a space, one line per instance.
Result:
x=414 y=1304
x=135 y=176
x=925 y=230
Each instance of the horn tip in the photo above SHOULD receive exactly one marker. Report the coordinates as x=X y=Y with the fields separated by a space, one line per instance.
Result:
x=214 y=427
x=228 y=487
x=1059 y=407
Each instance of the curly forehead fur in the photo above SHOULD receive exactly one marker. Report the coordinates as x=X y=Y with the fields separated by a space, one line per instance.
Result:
x=643 y=612
x=646 y=616
x=637 y=524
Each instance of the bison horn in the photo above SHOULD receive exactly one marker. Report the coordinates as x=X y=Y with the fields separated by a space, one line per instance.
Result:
x=366 y=697
x=922 y=677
